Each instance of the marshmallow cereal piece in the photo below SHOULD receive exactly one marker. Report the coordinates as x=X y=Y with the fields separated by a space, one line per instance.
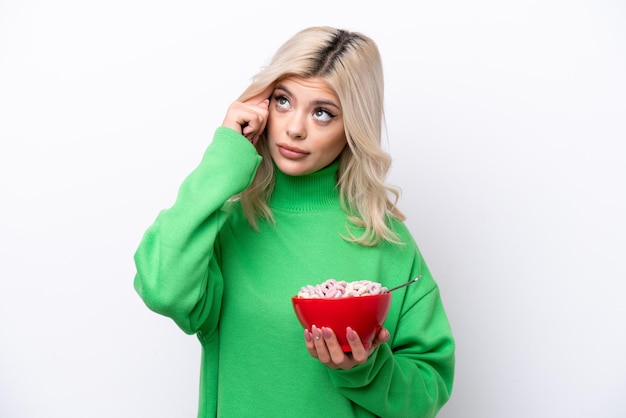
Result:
x=335 y=289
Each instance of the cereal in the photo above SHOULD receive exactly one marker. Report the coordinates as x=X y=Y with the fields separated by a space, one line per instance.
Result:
x=335 y=289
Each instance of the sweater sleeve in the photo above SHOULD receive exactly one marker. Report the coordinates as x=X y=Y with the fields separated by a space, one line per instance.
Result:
x=411 y=375
x=177 y=261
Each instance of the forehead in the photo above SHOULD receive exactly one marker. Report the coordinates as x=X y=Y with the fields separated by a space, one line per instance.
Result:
x=315 y=87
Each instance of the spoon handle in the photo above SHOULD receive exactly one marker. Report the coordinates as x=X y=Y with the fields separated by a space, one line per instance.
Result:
x=404 y=284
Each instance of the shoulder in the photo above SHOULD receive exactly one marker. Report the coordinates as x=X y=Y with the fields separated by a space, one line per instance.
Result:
x=400 y=228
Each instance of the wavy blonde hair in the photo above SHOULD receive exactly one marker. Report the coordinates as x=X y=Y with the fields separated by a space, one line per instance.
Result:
x=350 y=63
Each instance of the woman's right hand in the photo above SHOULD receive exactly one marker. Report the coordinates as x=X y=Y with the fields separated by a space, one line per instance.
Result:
x=250 y=117
x=322 y=343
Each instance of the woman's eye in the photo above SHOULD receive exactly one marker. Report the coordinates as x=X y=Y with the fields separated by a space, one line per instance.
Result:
x=282 y=101
x=323 y=115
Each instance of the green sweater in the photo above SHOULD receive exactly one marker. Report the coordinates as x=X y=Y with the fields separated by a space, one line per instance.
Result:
x=202 y=265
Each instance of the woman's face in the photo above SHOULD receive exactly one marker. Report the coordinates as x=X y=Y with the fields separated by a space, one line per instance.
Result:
x=305 y=127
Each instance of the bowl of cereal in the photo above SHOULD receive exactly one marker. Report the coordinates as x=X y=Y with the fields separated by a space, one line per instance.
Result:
x=361 y=305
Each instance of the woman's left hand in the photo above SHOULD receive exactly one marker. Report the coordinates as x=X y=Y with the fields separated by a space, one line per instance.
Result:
x=322 y=344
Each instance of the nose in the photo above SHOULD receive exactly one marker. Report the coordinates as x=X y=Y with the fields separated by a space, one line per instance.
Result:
x=296 y=125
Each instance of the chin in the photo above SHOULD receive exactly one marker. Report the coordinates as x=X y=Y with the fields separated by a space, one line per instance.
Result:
x=293 y=168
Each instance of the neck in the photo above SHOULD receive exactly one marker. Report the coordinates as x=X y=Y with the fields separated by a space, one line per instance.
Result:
x=314 y=191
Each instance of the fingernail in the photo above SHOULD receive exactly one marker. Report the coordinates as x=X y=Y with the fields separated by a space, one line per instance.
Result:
x=315 y=332
x=326 y=333
x=350 y=334
x=307 y=336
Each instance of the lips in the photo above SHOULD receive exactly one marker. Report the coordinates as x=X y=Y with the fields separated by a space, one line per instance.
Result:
x=292 y=153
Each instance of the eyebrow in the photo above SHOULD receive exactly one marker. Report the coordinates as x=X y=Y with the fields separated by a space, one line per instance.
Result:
x=315 y=102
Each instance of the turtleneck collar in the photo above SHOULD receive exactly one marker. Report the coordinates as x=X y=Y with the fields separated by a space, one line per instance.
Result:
x=309 y=192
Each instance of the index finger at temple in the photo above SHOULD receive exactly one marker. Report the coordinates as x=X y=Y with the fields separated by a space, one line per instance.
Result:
x=264 y=95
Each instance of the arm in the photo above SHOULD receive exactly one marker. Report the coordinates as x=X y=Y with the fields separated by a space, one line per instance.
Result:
x=413 y=374
x=409 y=369
x=178 y=271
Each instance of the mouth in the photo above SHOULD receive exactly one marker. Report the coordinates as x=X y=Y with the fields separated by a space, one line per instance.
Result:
x=292 y=153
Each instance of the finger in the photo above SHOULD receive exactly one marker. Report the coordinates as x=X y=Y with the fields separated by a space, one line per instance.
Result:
x=263 y=114
x=320 y=345
x=253 y=121
x=310 y=346
x=262 y=96
x=382 y=337
x=359 y=354
x=332 y=344
x=239 y=116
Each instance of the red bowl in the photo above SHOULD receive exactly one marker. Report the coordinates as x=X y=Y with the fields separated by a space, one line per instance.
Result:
x=364 y=314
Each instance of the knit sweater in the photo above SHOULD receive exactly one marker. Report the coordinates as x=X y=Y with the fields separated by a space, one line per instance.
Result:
x=201 y=264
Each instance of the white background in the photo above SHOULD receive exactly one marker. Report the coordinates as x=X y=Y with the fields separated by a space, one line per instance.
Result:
x=506 y=121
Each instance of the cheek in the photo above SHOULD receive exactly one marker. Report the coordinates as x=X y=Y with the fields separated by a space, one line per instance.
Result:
x=334 y=148
x=339 y=141
x=340 y=147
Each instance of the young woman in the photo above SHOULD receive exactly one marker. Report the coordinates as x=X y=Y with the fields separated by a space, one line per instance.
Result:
x=291 y=191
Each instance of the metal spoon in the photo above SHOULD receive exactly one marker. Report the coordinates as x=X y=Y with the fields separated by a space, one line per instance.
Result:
x=404 y=284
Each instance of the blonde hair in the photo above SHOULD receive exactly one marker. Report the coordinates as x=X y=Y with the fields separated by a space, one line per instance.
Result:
x=350 y=63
